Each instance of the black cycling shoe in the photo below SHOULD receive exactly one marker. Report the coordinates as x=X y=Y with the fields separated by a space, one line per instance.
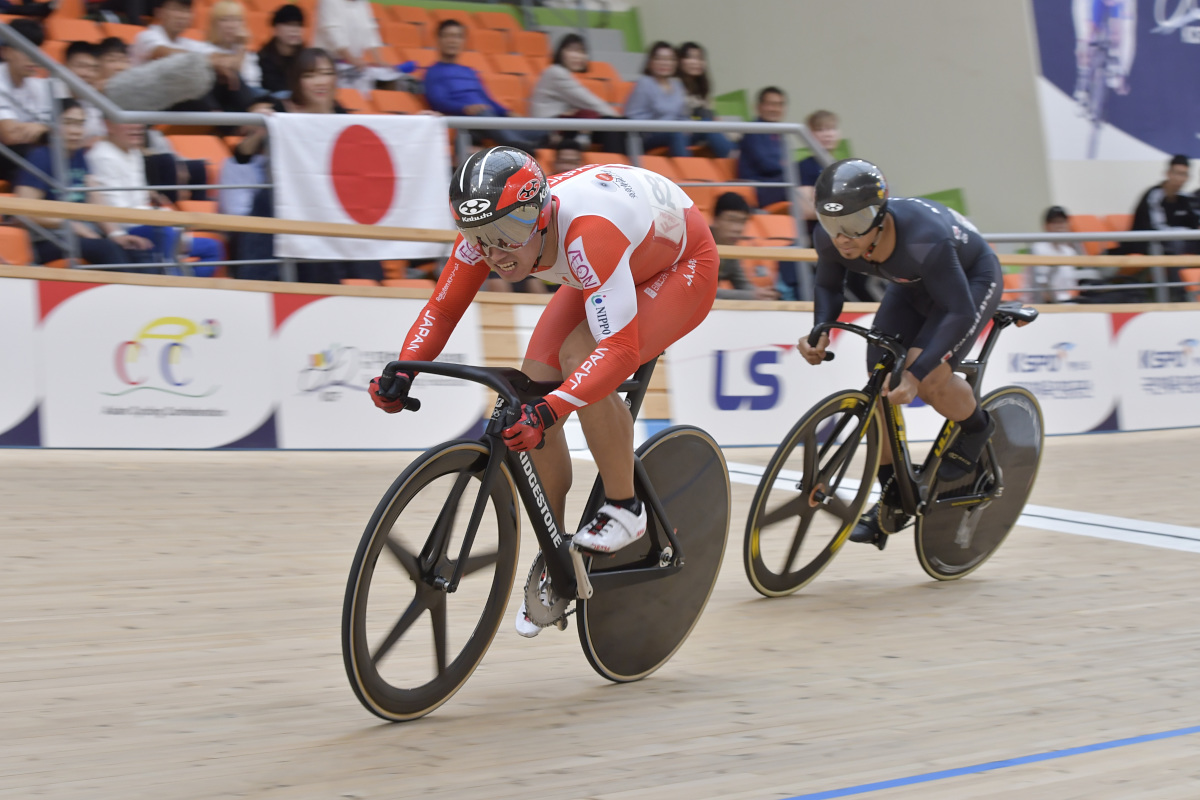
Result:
x=868 y=530
x=883 y=519
x=964 y=455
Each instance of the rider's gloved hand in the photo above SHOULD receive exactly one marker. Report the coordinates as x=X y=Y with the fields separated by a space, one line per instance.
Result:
x=530 y=430
x=391 y=394
x=813 y=355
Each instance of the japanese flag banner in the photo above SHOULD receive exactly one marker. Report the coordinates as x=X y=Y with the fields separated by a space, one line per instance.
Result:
x=371 y=170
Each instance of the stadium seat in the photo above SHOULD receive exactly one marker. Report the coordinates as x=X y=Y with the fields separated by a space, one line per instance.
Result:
x=545 y=157
x=531 y=44
x=760 y=271
x=513 y=64
x=1089 y=223
x=604 y=71
x=508 y=90
x=403 y=35
x=488 y=41
x=126 y=33
x=354 y=102
x=693 y=170
x=440 y=15
x=1118 y=222
x=211 y=149
x=424 y=56
x=597 y=86
x=1191 y=275
x=358 y=282
x=662 y=165
x=198 y=206
x=1013 y=280
x=475 y=60
x=55 y=49
x=390 y=102
x=412 y=15
x=590 y=157
x=73 y=30
x=395 y=269
x=777 y=229
x=497 y=21
x=15 y=248
x=410 y=283
x=258 y=24
x=620 y=92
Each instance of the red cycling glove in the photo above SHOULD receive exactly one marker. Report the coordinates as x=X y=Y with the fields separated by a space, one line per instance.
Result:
x=530 y=430
x=392 y=396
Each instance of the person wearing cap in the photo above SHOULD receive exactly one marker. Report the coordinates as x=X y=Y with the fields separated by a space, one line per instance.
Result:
x=279 y=54
x=1057 y=284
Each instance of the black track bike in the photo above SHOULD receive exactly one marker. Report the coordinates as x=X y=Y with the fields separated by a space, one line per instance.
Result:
x=820 y=479
x=430 y=581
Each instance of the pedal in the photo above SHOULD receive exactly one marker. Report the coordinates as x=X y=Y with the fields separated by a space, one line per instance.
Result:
x=583 y=585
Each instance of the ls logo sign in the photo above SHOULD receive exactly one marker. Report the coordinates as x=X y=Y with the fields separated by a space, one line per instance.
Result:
x=754 y=402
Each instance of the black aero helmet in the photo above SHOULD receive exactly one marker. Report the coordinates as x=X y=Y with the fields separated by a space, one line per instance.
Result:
x=850 y=197
x=499 y=198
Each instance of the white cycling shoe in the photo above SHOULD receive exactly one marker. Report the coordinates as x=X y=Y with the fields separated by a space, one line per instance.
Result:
x=612 y=528
x=525 y=625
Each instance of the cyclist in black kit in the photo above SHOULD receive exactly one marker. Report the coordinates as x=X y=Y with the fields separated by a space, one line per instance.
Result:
x=945 y=285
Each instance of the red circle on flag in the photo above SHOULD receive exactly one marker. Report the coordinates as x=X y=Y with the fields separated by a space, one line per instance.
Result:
x=363 y=175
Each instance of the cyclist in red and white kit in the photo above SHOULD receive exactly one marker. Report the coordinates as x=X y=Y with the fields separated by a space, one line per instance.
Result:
x=638 y=268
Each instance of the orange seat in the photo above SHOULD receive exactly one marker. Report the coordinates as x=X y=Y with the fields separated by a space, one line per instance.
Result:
x=545 y=157
x=403 y=35
x=508 y=90
x=475 y=60
x=1191 y=275
x=488 y=41
x=56 y=50
x=211 y=149
x=1118 y=222
x=775 y=228
x=697 y=169
x=497 y=21
x=126 y=33
x=1013 y=280
x=597 y=86
x=662 y=165
x=1089 y=223
x=410 y=283
x=395 y=269
x=620 y=92
x=397 y=102
x=198 y=206
x=727 y=167
x=531 y=43
x=424 y=56
x=358 y=282
x=15 y=248
x=258 y=24
x=74 y=30
x=604 y=158
x=354 y=102
x=512 y=64
x=603 y=70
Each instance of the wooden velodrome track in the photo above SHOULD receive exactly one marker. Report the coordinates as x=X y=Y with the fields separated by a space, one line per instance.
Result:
x=171 y=631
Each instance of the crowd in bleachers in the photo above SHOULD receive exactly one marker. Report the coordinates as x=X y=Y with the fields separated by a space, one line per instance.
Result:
x=367 y=58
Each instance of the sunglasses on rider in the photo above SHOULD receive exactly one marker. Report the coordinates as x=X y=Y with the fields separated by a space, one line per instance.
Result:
x=509 y=233
x=853 y=226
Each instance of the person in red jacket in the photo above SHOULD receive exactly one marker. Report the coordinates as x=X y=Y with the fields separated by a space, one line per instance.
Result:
x=638 y=268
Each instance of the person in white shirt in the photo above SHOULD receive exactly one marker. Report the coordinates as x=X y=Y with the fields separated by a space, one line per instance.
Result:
x=348 y=30
x=26 y=101
x=1057 y=284
x=227 y=34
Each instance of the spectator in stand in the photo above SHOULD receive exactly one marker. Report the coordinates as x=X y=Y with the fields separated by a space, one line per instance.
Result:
x=26 y=8
x=312 y=84
x=280 y=53
x=118 y=162
x=1057 y=284
x=825 y=129
x=99 y=243
x=659 y=95
x=113 y=55
x=729 y=224
x=693 y=72
x=1164 y=207
x=228 y=35
x=82 y=59
x=165 y=37
x=348 y=30
x=760 y=156
x=455 y=90
x=26 y=101
x=567 y=156
x=559 y=94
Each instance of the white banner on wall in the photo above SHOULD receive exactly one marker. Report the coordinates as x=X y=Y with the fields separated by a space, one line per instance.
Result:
x=329 y=350
x=370 y=170
x=18 y=359
x=157 y=367
x=1159 y=355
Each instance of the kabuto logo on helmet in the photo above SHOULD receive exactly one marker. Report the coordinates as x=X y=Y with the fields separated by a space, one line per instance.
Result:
x=529 y=190
x=833 y=206
x=472 y=207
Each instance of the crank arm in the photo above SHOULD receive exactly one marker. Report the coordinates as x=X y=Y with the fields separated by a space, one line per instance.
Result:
x=583 y=584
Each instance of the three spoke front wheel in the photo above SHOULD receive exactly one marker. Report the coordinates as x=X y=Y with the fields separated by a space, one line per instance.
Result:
x=408 y=645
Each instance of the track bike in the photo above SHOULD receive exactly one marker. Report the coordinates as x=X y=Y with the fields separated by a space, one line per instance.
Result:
x=820 y=478
x=447 y=529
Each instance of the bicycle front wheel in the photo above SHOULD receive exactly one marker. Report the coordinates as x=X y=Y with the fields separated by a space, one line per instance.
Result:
x=793 y=533
x=953 y=539
x=406 y=647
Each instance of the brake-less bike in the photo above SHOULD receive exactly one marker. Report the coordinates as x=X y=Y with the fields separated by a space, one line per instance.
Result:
x=819 y=481
x=407 y=648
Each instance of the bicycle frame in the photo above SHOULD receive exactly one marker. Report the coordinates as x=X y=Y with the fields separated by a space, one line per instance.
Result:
x=510 y=385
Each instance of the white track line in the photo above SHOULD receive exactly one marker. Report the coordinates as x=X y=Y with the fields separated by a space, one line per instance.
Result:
x=1060 y=520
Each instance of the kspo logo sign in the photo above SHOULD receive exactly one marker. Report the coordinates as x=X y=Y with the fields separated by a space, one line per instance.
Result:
x=1057 y=361
x=755 y=365
x=1186 y=356
x=159 y=357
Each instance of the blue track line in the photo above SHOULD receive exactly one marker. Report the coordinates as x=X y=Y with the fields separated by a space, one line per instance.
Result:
x=993 y=765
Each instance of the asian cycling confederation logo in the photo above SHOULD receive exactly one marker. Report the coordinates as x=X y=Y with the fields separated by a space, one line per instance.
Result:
x=160 y=358
x=1058 y=360
x=1185 y=356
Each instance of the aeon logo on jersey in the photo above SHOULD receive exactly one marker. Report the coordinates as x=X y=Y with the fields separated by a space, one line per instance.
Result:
x=160 y=357
x=577 y=262
x=1057 y=361
x=755 y=367
x=1186 y=356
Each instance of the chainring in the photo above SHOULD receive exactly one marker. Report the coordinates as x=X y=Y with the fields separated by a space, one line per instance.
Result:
x=538 y=591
